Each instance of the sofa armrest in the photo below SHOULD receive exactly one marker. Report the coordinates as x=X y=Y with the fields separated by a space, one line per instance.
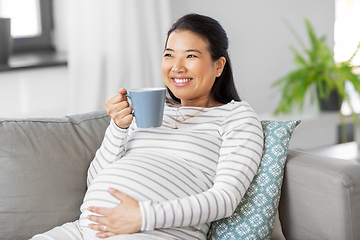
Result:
x=320 y=198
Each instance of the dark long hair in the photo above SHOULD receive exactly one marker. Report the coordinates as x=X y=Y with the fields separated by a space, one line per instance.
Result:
x=223 y=90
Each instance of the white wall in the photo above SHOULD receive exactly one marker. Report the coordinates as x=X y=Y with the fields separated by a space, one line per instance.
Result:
x=259 y=48
x=41 y=92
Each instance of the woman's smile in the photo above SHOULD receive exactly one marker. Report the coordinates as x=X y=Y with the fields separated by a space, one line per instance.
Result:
x=181 y=82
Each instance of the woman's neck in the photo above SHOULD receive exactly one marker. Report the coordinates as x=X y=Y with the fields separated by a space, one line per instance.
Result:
x=205 y=103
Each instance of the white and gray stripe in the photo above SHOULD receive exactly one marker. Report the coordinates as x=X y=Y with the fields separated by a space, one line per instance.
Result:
x=183 y=178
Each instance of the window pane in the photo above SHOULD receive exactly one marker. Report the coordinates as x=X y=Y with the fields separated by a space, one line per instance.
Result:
x=25 y=17
x=347 y=38
x=347 y=34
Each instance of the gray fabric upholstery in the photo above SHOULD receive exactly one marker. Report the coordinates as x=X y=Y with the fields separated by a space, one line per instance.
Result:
x=320 y=198
x=43 y=167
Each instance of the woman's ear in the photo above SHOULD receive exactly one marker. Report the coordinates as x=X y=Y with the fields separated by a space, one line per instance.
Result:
x=220 y=63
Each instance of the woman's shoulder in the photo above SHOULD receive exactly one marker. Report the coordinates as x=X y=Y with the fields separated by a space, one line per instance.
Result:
x=242 y=111
x=238 y=106
x=240 y=115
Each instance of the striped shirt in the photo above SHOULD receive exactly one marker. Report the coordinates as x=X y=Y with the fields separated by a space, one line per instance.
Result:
x=183 y=178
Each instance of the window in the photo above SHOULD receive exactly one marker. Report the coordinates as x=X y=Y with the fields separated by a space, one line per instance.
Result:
x=31 y=23
x=347 y=34
x=347 y=38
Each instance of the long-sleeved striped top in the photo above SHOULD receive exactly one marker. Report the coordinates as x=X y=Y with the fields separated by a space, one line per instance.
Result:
x=183 y=178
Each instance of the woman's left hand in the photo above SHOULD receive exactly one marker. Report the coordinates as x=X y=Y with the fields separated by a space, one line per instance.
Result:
x=123 y=219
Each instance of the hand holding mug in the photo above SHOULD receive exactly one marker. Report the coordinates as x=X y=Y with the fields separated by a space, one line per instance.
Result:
x=119 y=109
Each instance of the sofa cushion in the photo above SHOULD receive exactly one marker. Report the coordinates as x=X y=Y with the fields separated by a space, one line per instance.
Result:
x=43 y=170
x=255 y=215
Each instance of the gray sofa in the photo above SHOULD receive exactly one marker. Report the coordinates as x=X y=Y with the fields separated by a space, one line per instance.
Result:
x=43 y=165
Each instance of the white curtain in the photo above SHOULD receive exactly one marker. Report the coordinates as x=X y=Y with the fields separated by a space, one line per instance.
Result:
x=114 y=44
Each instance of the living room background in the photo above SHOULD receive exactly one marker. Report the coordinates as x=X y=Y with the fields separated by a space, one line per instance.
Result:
x=259 y=49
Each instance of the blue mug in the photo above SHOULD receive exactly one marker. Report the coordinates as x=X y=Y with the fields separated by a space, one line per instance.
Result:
x=148 y=106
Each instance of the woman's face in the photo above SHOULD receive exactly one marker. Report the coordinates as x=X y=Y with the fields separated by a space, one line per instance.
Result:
x=188 y=69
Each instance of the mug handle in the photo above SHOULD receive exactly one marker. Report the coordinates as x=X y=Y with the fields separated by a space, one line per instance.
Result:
x=128 y=95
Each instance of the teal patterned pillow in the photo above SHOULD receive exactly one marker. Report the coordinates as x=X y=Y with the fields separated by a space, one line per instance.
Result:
x=255 y=215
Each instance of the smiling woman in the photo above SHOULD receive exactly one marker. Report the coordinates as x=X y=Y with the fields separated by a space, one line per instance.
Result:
x=172 y=181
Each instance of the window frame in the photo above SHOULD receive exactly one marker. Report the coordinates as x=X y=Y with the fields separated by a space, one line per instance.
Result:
x=44 y=41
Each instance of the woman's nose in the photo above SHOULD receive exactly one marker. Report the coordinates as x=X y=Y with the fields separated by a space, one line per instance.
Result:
x=178 y=67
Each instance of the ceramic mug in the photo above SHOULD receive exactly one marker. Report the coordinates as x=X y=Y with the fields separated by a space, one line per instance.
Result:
x=148 y=106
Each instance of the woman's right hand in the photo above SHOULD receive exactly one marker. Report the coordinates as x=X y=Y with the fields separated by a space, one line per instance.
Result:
x=119 y=110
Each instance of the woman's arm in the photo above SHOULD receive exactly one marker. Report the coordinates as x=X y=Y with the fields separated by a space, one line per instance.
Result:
x=112 y=147
x=239 y=160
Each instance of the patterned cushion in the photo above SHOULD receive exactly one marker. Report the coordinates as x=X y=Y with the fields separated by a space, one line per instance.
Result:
x=255 y=215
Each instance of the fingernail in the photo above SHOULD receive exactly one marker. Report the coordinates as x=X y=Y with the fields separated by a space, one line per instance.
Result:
x=111 y=189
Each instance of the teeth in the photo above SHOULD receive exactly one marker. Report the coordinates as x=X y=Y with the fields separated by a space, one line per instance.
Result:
x=182 y=80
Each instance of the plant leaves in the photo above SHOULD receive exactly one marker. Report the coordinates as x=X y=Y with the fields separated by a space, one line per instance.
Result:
x=315 y=67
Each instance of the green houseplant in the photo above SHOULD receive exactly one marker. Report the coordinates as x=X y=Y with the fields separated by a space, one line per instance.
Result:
x=317 y=73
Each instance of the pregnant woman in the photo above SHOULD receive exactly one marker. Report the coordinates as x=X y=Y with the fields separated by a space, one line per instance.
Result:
x=171 y=182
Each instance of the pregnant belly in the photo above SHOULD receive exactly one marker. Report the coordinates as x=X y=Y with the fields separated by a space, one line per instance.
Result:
x=143 y=176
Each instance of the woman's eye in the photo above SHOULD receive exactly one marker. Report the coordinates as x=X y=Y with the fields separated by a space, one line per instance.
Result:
x=167 y=55
x=192 y=56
